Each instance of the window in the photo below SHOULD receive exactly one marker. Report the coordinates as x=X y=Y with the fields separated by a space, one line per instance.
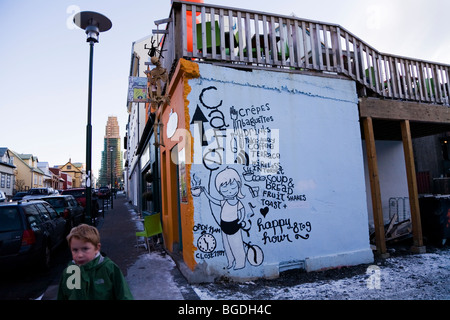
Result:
x=2 y=180
x=31 y=210
x=34 y=222
x=69 y=167
x=9 y=219
x=47 y=209
x=52 y=211
x=56 y=203
x=43 y=212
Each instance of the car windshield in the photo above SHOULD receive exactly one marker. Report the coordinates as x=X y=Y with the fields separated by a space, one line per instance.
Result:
x=9 y=219
x=56 y=203
x=37 y=191
x=20 y=194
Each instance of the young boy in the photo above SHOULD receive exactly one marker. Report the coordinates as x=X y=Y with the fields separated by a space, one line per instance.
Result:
x=90 y=276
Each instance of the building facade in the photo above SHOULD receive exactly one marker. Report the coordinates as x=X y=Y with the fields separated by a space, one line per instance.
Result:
x=75 y=171
x=7 y=172
x=111 y=171
x=140 y=150
x=60 y=179
x=27 y=173
x=279 y=143
x=251 y=183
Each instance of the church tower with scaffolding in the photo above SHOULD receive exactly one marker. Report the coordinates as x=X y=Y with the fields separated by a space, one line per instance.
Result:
x=112 y=160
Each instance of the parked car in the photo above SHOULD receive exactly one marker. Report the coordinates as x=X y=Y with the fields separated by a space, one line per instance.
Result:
x=29 y=232
x=67 y=207
x=37 y=193
x=19 y=195
x=2 y=196
x=104 y=192
x=78 y=193
x=80 y=196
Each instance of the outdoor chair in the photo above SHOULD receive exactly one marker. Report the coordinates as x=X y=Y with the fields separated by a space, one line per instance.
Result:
x=209 y=43
x=152 y=227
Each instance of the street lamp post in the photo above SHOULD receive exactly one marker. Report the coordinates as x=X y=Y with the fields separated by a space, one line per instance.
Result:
x=112 y=181
x=93 y=23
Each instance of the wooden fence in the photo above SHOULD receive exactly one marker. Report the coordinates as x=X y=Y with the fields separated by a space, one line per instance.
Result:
x=254 y=39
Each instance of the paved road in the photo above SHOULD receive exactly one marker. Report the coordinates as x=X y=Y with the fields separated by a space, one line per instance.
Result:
x=29 y=283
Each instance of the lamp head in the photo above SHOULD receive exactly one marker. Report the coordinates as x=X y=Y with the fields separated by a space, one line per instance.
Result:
x=93 y=23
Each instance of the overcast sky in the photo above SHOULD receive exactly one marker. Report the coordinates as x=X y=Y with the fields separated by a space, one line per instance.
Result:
x=44 y=60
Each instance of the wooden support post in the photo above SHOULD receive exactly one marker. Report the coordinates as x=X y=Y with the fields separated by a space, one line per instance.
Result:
x=418 y=246
x=375 y=188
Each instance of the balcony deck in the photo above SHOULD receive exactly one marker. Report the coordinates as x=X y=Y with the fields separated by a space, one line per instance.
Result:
x=391 y=88
x=251 y=39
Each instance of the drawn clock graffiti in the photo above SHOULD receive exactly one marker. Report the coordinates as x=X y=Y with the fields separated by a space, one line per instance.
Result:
x=206 y=242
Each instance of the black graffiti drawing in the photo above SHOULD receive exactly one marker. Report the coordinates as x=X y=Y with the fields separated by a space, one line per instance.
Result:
x=232 y=216
x=201 y=98
x=254 y=191
x=247 y=173
x=252 y=116
x=205 y=228
x=254 y=145
x=252 y=206
x=200 y=119
x=255 y=255
x=214 y=157
x=264 y=211
x=250 y=176
x=281 y=230
x=238 y=134
x=217 y=120
x=206 y=242
x=232 y=213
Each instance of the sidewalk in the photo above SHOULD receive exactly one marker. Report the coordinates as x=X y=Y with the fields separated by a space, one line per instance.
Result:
x=151 y=276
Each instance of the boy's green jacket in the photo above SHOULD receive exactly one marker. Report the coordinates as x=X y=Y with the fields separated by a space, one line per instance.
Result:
x=99 y=279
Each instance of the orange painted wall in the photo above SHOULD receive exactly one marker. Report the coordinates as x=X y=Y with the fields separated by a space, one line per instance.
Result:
x=178 y=90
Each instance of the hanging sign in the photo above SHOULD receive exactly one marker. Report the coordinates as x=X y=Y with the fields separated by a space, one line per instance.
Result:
x=137 y=89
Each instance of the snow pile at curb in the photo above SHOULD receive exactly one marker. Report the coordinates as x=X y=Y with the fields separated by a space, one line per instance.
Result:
x=150 y=278
x=410 y=277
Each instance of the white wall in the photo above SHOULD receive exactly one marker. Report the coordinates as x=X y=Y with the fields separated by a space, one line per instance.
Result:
x=305 y=204
x=393 y=181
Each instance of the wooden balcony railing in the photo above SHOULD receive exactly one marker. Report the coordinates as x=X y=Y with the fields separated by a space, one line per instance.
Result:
x=254 y=39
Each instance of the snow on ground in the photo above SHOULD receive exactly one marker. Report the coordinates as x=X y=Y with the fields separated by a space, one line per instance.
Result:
x=406 y=277
x=151 y=278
